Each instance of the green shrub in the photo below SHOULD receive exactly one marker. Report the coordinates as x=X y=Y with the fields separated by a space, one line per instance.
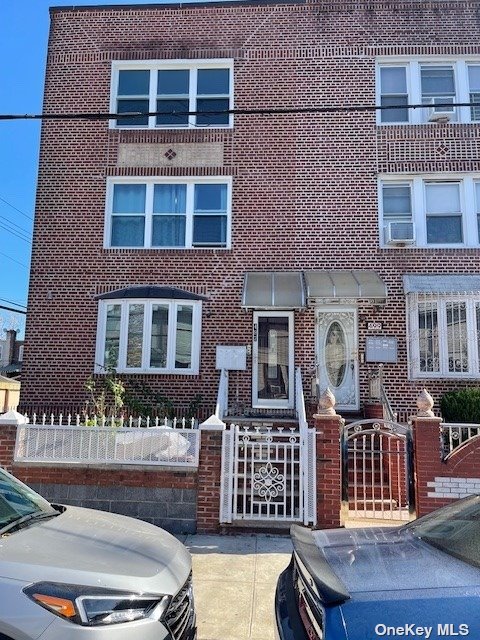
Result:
x=462 y=405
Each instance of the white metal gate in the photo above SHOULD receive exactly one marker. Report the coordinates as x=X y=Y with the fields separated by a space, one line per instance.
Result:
x=377 y=470
x=268 y=474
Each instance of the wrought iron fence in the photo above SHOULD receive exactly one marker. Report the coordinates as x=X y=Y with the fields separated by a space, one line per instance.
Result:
x=85 y=419
x=453 y=435
x=75 y=444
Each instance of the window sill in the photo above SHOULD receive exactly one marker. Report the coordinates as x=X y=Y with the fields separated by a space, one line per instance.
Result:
x=200 y=127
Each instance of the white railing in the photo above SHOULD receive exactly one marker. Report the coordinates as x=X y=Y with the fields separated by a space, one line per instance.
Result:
x=300 y=400
x=162 y=446
x=222 y=395
x=308 y=485
x=455 y=434
x=78 y=420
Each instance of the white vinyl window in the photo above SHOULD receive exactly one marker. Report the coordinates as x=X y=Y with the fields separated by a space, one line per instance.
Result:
x=164 y=213
x=170 y=91
x=444 y=336
x=430 y=211
x=439 y=84
x=148 y=336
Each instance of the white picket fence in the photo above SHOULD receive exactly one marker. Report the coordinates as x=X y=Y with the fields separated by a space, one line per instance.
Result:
x=78 y=420
x=77 y=444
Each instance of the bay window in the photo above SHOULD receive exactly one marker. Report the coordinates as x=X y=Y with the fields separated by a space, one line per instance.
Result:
x=148 y=336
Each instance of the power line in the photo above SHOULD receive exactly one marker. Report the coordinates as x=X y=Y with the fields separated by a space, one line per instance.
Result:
x=12 y=302
x=20 y=229
x=14 y=233
x=270 y=111
x=15 y=310
x=15 y=208
x=13 y=260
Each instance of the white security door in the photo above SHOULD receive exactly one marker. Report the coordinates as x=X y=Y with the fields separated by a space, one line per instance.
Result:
x=272 y=362
x=337 y=355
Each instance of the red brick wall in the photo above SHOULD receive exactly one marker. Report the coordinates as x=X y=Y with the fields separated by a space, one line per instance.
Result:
x=8 y=434
x=304 y=185
x=328 y=470
x=463 y=463
x=209 y=477
x=105 y=477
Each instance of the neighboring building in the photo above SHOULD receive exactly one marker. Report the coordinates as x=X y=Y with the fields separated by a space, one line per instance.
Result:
x=11 y=354
x=331 y=241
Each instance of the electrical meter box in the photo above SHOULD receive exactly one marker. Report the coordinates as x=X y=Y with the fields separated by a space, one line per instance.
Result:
x=232 y=358
x=381 y=349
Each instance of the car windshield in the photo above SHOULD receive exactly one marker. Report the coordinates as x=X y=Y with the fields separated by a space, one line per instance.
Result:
x=454 y=529
x=17 y=501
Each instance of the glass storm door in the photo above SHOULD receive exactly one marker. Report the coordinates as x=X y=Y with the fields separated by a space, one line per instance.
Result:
x=337 y=355
x=273 y=374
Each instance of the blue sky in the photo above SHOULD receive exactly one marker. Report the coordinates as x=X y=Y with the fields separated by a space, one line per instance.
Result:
x=24 y=28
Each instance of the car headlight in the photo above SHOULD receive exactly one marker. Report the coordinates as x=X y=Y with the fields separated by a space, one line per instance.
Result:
x=91 y=606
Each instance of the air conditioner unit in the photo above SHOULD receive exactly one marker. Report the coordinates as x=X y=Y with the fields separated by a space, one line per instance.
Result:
x=400 y=233
x=440 y=111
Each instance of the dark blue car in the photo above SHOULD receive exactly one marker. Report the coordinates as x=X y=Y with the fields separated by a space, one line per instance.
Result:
x=419 y=581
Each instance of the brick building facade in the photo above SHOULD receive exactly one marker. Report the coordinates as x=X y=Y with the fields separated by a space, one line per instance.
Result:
x=329 y=240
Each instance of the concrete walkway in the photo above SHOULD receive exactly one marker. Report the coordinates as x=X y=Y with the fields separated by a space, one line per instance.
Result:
x=234 y=580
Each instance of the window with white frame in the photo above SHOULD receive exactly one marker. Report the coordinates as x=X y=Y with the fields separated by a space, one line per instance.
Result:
x=430 y=211
x=171 y=90
x=439 y=84
x=168 y=213
x=148 y=336
x=444 y=335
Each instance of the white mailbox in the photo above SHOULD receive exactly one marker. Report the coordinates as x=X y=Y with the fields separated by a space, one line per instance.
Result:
x=233 y=358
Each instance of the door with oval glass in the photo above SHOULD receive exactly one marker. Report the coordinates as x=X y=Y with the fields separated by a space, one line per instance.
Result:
x=337 y=355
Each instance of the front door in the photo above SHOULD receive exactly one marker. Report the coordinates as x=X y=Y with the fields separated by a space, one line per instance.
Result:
x=272 y=361
x=337 y=355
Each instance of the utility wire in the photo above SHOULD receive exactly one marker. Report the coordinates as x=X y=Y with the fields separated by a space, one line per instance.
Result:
x=15 y=310
x=19 y=228
x=12 y=302
x=15 y=233
x=13 y=207
x=270 y=111
x=13 y=260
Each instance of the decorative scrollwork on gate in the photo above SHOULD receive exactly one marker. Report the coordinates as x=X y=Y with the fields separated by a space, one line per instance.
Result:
x=268 y=482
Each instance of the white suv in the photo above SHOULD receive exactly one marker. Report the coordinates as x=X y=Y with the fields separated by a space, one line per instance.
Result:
x=69 y=572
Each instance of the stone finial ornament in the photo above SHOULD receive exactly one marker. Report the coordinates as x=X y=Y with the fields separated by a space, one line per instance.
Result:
x=326 y=404
x=424 y=405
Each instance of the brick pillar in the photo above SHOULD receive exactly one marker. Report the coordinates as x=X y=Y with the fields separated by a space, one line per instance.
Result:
x=209 y=476
x=428 y=463
x=328 y=469
x=8 y=432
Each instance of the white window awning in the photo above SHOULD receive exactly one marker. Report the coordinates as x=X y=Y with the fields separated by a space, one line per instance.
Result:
x=441 y=284
x=292 y=289
x=324 y=286
x=273 y=290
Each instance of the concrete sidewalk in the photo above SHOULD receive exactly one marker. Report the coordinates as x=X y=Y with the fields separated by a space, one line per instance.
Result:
x=234 y=580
